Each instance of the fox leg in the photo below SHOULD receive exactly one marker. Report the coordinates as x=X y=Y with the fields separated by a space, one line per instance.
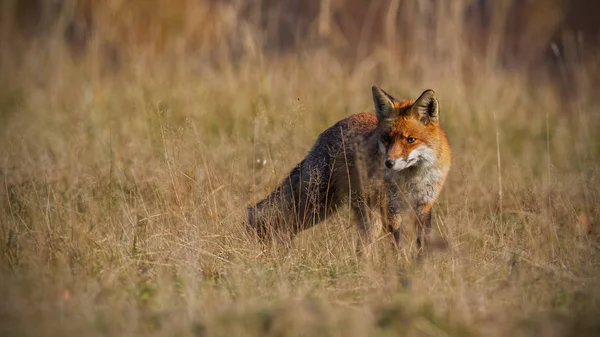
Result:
x=365 y=235
x=392 y=223
x=423 y=228
x=391 y=214
x=395 y=227
x=369 y=226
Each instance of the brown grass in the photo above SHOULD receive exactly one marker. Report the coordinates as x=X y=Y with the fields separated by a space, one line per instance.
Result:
x=125 y=184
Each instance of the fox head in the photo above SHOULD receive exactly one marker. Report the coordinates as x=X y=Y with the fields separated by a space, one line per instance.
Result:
x=409 y=131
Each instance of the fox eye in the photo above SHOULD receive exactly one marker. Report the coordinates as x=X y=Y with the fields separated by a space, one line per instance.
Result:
x=386 y=139
x=410 y=140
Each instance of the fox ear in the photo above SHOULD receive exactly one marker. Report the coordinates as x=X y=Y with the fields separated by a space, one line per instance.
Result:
x=426 y=107
x=384 y=103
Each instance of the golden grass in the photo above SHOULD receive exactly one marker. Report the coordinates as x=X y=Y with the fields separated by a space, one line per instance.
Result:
x=124 y=194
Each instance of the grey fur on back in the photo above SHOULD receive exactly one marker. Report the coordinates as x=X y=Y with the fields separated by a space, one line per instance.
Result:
x=319 y=183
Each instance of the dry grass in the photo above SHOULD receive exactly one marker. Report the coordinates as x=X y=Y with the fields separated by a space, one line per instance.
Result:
x=124 y=191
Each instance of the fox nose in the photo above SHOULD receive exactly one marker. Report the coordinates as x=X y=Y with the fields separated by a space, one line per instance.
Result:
x=389 y=163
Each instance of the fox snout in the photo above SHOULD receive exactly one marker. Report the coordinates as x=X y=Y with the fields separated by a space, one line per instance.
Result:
x=399 y=164
x=421 y=155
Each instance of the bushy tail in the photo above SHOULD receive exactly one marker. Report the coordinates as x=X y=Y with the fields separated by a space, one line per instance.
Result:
x=256 y=224
x=274 y=215
x=299 y=202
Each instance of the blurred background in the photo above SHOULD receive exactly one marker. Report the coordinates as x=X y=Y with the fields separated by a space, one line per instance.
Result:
x=536 y=38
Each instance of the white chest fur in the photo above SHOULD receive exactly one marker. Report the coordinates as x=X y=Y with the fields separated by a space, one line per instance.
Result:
x=415 y=186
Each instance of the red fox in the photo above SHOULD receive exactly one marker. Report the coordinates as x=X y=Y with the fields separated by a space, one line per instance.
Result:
x=389 y=166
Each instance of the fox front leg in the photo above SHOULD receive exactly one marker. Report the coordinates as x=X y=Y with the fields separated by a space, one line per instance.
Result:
x=423 y=226
x=392 y=217
x=369 y=223
x=395 y=227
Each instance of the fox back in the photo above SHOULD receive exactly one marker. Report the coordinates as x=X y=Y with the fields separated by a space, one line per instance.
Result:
x=389 y=167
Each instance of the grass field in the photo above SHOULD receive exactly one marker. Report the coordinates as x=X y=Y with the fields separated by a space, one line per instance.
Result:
x=124 y=191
